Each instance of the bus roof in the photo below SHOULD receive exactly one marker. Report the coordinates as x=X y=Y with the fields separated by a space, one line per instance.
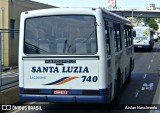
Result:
x=74 y=10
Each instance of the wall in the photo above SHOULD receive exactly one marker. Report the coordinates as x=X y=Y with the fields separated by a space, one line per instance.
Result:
x=12 y=10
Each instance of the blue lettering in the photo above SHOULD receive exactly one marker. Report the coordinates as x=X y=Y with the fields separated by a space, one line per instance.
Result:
x=80 y=69
x=38 y=70
x=86 y=70
x=63 y=70
x=75 y=69
x=51 y=69
x=33 y=69
x=56 y=70
x=37 y=77
x=70 y=69
x=45 y=69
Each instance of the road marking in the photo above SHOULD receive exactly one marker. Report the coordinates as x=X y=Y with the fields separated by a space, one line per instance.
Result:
x=146 y=86
x=10 y=75
x=151 y=60
x=145 y=76
x=149 y=67
x=137 y=93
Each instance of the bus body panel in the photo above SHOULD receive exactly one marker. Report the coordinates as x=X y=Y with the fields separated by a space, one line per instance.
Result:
x=70 y=74
x=144 y=37
x=89 y=78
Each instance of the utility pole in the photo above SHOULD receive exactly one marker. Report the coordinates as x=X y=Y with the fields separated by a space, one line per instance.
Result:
x=132 y=16
x=0 y=60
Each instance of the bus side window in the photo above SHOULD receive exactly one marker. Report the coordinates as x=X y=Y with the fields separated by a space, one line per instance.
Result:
x=117 y=37
x=107 y=38
x=130 y=36
x=115 y=41
x=119 y=40
x=126 y=36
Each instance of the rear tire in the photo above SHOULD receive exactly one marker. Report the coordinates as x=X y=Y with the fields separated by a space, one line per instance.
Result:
x=118 y=89
x=129 y=77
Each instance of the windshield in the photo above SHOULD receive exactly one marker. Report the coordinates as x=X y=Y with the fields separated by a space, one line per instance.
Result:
x=68 y=34
x=140 y=38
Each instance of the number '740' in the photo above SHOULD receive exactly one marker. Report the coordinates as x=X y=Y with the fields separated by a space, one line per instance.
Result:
x=89 y=78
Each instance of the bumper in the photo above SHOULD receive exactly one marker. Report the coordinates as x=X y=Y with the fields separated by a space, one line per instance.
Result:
x=142 y=46
x=156 y=39
x=64 y=98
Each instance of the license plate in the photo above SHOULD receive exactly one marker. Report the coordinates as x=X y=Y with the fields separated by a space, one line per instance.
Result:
x=60 y=92
x=140 y=46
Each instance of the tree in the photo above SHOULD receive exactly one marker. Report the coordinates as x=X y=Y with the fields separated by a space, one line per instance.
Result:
x=151 y=22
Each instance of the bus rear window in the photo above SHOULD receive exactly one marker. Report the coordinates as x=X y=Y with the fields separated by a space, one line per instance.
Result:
x=68 y=34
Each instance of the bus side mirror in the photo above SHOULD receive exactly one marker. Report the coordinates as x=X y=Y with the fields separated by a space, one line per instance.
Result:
x=134 y=33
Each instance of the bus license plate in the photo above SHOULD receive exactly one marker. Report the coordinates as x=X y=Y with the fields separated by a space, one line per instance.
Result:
x=60 y=92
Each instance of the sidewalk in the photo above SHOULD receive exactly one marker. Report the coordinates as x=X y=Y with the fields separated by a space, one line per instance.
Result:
x=9 y=70
x=9 y=95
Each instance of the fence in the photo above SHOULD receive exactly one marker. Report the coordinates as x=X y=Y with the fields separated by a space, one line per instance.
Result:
x=8 y=74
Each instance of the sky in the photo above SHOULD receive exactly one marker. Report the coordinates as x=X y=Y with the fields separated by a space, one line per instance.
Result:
x=100 y=3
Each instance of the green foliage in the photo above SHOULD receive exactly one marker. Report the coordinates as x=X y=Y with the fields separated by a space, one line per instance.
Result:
x=151 y=22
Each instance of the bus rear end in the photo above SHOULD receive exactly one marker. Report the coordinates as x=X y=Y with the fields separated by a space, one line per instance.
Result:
x=144 y=38
x=58 y=60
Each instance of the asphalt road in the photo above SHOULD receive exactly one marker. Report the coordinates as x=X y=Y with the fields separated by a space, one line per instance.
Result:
x=144 y=81
x=140 y=91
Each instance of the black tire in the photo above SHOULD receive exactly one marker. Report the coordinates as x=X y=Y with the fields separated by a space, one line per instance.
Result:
x=129 y=77
x=118 y=89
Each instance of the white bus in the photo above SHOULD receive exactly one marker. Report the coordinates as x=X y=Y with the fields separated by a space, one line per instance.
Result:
x=144 y=38
x=74 y=55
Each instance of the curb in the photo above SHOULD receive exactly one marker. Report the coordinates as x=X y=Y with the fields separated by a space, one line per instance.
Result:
x=8 y=68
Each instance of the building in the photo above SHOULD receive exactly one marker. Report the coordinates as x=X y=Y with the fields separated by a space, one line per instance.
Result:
x=151 y=7
x=10 y=11
x=112 y=4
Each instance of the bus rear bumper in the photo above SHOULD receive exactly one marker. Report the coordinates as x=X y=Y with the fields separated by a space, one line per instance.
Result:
x=64 y=98
x=142 y=46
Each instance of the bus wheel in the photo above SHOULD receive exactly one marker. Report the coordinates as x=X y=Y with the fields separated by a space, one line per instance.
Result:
x=118 y=88
x=129 y=76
